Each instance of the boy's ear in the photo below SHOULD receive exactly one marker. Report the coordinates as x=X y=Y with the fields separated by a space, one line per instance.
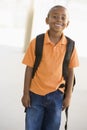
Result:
x=46 y=20
x=68 y=23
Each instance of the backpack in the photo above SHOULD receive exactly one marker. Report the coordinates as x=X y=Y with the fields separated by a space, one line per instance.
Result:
x=38 y=54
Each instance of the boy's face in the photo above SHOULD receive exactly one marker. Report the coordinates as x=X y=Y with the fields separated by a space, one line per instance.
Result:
x=57 y=19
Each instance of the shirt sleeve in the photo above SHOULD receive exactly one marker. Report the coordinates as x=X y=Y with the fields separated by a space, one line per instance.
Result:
x=74 y=61
x=29 y=56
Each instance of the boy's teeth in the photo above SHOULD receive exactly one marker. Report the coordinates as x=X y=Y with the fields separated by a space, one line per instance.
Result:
x=57 y=24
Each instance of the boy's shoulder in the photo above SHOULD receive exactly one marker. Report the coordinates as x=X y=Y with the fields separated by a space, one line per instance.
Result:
x=69 y=38
x=33 y=40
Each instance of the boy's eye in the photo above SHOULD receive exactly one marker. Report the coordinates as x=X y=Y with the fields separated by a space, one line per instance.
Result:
x=55 y=16
x=63 y=18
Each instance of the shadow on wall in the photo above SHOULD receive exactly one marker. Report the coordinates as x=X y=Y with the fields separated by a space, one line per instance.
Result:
x=28 y=29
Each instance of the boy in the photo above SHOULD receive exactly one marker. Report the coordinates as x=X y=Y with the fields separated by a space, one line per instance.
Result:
x=42 y=95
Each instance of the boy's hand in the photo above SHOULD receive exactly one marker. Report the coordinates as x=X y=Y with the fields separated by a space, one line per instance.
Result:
x=26 y=100
x=66 y=103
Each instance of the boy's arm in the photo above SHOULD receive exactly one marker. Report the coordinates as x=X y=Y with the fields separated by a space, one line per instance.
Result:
x=68 y=92
x=28 y=76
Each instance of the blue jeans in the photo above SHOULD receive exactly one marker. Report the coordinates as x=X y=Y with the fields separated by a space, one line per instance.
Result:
x=45 y=111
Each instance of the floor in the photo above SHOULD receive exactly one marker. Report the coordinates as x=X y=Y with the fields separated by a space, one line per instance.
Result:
x=11 y=86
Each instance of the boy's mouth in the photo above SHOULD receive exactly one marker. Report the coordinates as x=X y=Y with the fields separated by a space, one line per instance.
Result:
x=58 y=25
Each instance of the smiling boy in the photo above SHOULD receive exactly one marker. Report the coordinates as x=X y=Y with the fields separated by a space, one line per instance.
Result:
x=42 y=95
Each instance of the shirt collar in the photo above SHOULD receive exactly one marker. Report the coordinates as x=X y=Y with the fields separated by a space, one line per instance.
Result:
x=47 y=40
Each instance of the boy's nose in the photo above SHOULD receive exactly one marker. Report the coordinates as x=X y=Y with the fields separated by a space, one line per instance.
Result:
x=58 y=18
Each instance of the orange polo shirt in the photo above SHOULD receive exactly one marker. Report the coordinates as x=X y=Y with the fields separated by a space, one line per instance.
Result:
x=48 y=76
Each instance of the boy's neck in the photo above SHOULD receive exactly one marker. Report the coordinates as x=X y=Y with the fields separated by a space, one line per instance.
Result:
x=54 y=37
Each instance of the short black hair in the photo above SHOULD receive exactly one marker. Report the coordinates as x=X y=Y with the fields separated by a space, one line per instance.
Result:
x=57 y=6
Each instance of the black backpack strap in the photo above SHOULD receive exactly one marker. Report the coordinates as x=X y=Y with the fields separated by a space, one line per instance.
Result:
x=38 y=52
x=66 y=113
x=69 y=50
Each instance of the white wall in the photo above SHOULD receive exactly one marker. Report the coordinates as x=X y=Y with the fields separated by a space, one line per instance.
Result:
x=13 y=18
